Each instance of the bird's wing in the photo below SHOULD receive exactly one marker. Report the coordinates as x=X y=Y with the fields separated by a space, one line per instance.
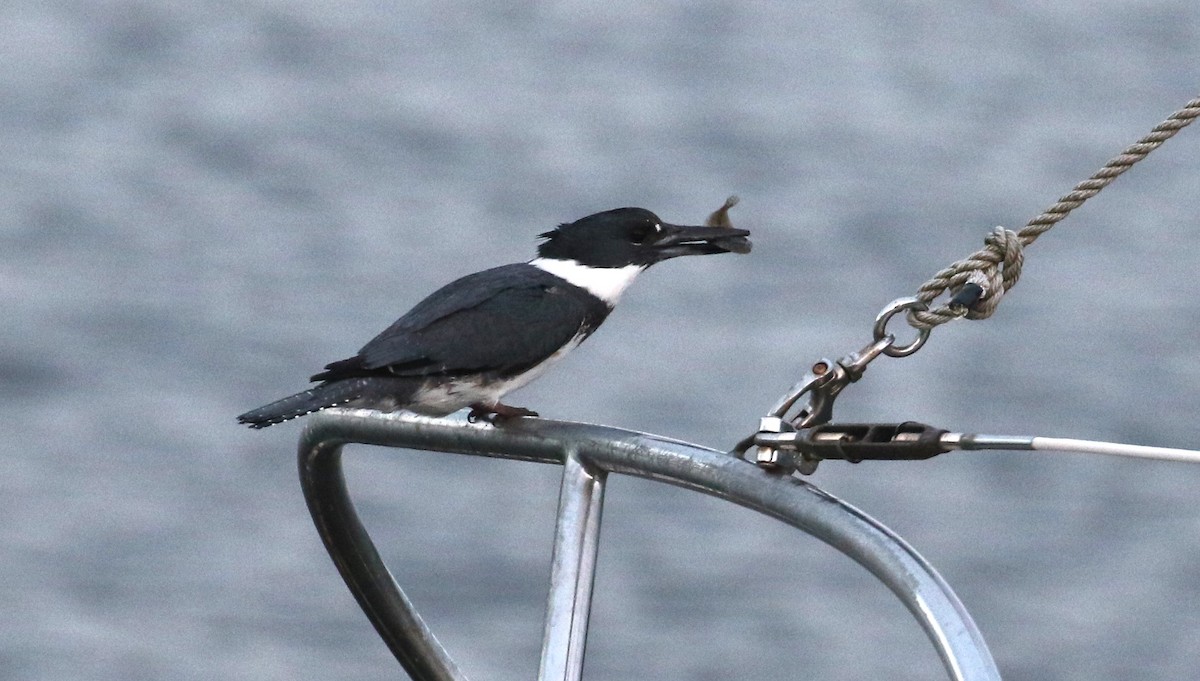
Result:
x=501 y=320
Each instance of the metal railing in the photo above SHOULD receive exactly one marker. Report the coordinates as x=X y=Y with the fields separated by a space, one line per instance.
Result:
x=588 y=453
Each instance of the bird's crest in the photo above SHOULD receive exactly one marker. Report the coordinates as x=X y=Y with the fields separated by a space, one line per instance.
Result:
x=554 y=232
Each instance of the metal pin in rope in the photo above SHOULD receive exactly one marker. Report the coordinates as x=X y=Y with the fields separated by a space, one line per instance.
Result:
x=893 y=308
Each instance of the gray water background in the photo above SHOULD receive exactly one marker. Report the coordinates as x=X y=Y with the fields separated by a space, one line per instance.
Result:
x=203 y=202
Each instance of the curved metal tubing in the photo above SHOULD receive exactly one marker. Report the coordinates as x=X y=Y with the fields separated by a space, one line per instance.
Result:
x=352 y=550
x=922 y=590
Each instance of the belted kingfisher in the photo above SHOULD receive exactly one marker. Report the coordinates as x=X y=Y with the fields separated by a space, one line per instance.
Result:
x=486 y=334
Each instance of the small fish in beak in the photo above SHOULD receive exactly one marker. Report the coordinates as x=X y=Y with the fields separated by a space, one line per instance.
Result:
x=720 y=218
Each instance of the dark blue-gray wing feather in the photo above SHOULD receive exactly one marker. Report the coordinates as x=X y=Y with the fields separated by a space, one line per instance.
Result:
x=500 y=322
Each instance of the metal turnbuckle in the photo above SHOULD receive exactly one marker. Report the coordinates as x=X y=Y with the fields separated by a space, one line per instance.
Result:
x=858 y=442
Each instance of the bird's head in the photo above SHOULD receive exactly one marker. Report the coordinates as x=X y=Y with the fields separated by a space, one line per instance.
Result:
x=635 y=236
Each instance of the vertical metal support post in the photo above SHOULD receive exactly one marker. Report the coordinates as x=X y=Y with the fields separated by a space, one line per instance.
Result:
x=573 y=567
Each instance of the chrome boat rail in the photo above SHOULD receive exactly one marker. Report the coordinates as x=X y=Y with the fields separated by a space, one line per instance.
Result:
x=588 y=453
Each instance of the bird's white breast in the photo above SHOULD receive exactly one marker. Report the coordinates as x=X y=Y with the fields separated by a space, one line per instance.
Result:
x=606 y=283
x=438 y=397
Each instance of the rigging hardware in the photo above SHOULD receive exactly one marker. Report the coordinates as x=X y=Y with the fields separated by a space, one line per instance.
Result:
x=822 y=385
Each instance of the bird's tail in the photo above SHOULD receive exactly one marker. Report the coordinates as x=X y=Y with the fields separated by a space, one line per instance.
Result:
x=315 y=399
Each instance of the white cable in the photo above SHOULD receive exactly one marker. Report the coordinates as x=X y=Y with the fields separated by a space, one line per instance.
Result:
x=976 y=442
x=1063 y=444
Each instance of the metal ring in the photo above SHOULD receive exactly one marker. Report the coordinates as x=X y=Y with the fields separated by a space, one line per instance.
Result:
x=881 y=321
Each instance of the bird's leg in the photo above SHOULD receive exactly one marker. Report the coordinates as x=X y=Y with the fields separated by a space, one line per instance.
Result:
x=497 y=411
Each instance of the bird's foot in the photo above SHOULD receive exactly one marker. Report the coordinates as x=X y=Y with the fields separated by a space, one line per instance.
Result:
x=496 y=412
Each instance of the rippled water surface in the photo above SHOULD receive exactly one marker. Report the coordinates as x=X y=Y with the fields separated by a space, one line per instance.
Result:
x=204 y=202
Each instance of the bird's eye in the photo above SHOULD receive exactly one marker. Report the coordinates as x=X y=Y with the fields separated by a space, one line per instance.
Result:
x=642 y=233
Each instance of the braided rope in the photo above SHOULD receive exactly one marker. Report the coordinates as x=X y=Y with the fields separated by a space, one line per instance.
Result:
x=997 y=266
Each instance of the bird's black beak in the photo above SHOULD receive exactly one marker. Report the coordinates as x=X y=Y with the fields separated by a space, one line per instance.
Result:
x=676 y=240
